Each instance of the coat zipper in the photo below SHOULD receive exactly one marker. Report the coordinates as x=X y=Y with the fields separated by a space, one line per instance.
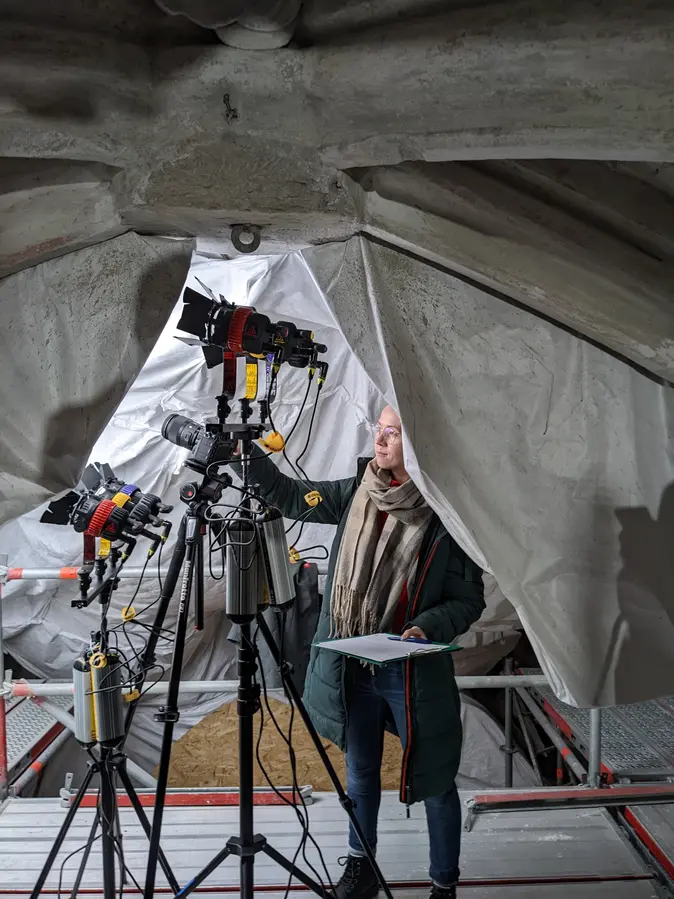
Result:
x=404 y=785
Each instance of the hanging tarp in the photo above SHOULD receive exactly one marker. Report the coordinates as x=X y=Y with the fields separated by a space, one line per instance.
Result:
x=550 y=460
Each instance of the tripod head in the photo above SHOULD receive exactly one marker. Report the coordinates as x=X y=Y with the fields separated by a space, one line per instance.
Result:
x=208 y=491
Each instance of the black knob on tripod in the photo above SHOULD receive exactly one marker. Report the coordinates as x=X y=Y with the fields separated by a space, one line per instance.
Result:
x=188 y=492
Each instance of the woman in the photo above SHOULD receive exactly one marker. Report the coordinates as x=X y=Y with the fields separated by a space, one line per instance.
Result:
x=393 y=568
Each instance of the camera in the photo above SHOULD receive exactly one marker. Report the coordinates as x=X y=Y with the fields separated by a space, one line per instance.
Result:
x=208 y=444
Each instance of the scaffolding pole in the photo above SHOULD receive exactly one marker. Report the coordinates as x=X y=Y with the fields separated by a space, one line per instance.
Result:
x=68 y=721
x=70 y=573
x=4 y=762
x=37 y=766
x=555 y=737
x=509 y=746
x=479 y=682
x=594 y=759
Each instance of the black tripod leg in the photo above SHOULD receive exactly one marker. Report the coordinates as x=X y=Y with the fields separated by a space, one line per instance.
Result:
x=120 y=849
x=148 y=656
x=145 y=824
x=170 y=714
x=108 y=821
x=292 y=869
x=246 y=845
x=85 y=857
x=345 y=801
x=203 y=874
x=58 y=842
x=246 y=705
x=199 y=585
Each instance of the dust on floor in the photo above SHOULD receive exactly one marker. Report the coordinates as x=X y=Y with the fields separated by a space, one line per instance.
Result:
x=207 y=755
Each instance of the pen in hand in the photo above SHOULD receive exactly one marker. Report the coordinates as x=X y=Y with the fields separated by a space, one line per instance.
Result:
x=410 y=640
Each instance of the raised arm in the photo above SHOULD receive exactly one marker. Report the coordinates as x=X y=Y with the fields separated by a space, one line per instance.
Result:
x=287 y=494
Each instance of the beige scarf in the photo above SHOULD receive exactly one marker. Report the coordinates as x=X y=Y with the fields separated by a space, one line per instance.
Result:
x=371 y=569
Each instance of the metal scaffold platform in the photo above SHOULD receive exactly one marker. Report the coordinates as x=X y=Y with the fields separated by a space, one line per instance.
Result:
x=557 y=855
x=637 y=744
x=636 y=740
x=29 y=730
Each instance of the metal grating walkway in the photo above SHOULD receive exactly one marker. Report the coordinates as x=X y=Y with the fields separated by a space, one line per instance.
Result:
x=27 y=726
x=634 y=737
x=508 y=856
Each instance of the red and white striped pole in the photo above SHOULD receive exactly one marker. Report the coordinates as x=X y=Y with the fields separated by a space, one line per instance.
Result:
x=68 y=573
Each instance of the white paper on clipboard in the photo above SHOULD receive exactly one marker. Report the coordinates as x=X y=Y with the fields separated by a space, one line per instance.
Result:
x=379 y=649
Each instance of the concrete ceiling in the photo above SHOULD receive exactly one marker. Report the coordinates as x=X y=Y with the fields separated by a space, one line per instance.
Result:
x=525 y=145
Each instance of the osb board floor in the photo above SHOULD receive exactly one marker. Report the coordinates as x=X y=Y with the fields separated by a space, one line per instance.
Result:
x=207 y=755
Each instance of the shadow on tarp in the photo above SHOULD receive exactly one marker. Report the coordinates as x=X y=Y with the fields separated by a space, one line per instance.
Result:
x=644 y=623
x=72 y=432
x=646 y=592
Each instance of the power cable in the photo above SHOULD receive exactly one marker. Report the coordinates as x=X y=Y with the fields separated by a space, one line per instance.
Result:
x=302 y=816
x=87 y=847
x=311 y=427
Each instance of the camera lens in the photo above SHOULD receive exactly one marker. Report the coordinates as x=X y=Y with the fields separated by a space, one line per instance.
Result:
x=181 y=431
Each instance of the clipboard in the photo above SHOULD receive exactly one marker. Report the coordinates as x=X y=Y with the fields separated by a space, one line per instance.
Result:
x=380 y=649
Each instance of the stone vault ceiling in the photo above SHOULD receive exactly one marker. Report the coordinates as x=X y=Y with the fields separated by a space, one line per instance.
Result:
x=525 y=145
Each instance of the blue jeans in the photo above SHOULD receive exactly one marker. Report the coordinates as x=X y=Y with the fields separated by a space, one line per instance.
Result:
x=367 y=697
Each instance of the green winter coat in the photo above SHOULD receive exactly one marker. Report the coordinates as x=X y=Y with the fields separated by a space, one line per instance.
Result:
x=446 y=598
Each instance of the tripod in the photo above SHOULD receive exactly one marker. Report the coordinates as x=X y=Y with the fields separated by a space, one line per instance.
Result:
x=247 y=844
x=108 y=765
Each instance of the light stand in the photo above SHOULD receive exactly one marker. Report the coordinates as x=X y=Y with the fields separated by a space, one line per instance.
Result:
x=242 y=609
x=188 y=556
x=110 y=763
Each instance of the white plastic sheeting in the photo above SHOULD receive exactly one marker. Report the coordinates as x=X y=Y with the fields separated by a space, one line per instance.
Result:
x=482 y=758
x=547 y=453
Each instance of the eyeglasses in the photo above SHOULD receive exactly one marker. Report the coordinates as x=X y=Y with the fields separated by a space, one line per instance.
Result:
x=388 y=435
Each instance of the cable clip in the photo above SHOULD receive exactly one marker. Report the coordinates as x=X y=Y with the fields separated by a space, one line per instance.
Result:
x=6 y=686
x=132 y=695
x=104 y=546
x=128 y=613
x=274 y=442
x=98 y=660
x=313 y=498
x=294 y=555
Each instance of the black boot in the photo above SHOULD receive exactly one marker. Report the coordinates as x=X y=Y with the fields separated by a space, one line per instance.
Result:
x=442 y=892
x=358 y=880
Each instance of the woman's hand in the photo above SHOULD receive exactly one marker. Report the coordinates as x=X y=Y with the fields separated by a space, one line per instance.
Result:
x=414 y=632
